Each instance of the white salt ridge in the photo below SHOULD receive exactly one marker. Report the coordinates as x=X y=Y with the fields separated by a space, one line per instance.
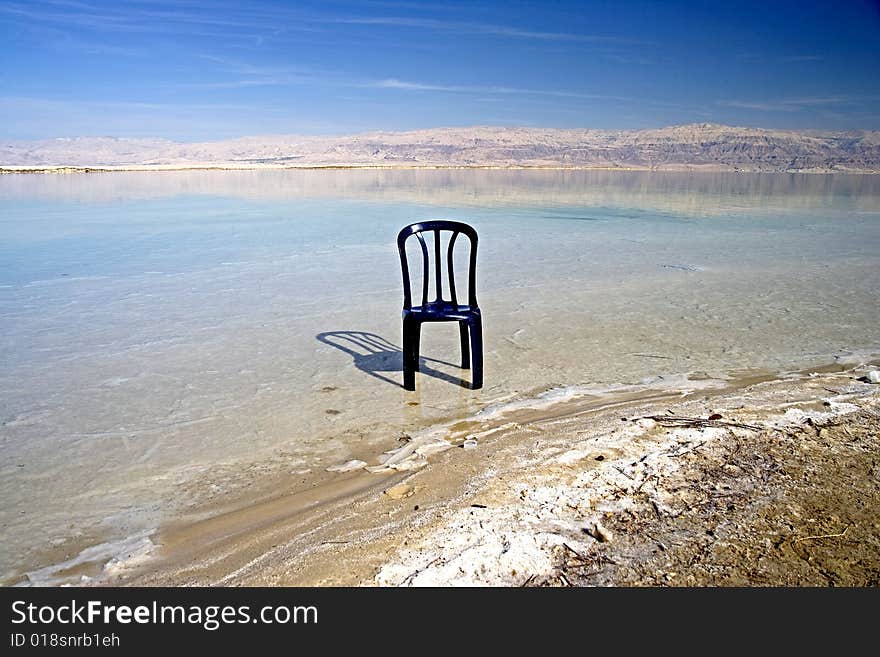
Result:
x=348 y=466
x=795 y=416
x=854 y=359
x=115 y=557
x=682 y=267
x=63 y=279
x=414 y=454
x=678 y=383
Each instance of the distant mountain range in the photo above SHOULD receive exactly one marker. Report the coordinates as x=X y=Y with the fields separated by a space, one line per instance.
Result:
x=696 y=146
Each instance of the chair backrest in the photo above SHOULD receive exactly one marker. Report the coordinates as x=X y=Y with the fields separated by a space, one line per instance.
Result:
x=436 y=227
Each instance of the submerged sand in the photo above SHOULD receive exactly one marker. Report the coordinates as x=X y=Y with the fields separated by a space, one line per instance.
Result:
x=781 y=487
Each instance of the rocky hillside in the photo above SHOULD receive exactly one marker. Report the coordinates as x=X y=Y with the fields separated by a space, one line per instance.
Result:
x=698 y=146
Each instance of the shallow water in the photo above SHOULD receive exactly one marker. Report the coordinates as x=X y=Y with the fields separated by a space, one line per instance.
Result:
x=160 y=329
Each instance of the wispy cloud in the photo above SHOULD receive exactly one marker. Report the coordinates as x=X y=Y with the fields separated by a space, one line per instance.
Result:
x=541 y=96
x=755 y=58
x=251 y=75
x=393 y=83
x=63 y=41
x=248 y=75
x=261 y=70
x=416 y=6
x=190 y=19
x=630 y=59
x=29 y=116
x=786 y=104
x=420 y=86
x=51 y=104
x=463 y=27
x=760 y=106
x=801 y=58
x=819 y=100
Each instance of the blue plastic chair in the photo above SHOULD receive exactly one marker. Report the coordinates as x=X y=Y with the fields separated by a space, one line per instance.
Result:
x=468 y=316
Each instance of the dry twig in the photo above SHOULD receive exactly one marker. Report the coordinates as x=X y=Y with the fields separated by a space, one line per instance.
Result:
x=574 y=552
x=809 y=538
x=659 y=543
x=623 y=472
x=418 y=571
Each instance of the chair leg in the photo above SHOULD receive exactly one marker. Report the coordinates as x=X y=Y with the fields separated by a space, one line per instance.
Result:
x=416 y=346
x=477 y=352
x=465 y=347
x=411 y=331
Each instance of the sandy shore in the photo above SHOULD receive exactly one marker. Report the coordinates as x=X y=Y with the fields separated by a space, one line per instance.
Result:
x=780 y=488
x=234 y=166
x=231 y=166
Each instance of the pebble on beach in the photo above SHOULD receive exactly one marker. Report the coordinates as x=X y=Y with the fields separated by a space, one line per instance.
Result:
x=600 y=533
x=399 y=491
x=874 y=376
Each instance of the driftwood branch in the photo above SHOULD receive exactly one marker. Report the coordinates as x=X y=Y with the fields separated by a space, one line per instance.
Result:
x=680 y=421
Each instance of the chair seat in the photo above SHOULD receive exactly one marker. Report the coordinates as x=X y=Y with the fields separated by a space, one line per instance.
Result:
x=440 y=311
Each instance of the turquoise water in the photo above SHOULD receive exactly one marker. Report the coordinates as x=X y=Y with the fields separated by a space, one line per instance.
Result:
x=162 y=333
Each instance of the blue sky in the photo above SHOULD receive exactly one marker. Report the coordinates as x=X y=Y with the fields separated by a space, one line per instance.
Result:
x=199 y=70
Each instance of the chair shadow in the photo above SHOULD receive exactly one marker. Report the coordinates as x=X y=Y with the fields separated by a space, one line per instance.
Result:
x=374 y=355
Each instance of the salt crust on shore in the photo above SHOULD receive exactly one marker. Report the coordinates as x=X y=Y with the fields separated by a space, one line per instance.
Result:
x=559 y=492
